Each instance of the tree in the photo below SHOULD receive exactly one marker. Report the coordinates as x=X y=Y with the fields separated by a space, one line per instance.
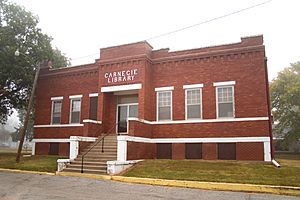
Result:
x=19 y=31
x=29 y=130
x=285 y=99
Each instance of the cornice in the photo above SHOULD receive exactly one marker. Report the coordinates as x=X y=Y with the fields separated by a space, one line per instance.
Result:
x=212 y=55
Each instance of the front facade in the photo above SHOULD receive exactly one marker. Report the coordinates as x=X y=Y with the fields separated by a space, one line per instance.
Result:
x=206 y=103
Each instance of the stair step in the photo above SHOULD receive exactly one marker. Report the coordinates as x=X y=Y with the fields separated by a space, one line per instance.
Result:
x=89 y=163
x=86 y=171
x=97 y=156
x=100 y=151
x=93 y=167
x=95 y=159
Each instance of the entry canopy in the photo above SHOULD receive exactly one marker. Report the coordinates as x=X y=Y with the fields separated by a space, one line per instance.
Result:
x=118 y=88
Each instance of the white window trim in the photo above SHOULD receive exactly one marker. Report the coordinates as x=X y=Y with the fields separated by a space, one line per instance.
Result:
x=57 y=98
x=192 y=86
x=93 y=94
x=91 y=121
x=52 y=104
x=201 y=115
x=246 y=119
x=225 y=83
x=70 y=113
x=217 y=103
x=170 y=105
x=56 y=125
x=159 y=89
x=75 y=96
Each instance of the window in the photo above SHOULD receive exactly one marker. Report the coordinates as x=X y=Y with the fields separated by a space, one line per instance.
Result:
x=164 y=105
x=56 y=111
x=225 y=101
x=93 y=108
x=75 y=110
x=193 y=103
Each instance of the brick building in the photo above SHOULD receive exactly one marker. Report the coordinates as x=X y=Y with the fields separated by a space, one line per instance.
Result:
x=206 y=103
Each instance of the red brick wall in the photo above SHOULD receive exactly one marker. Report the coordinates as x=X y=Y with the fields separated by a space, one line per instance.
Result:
x=41 y=148
x=219 y=129
x=250 y=151
x=178 y=151
x=209 y=151
x=92 y=129
x=139 y=129
x=64 y=84
x=64 y=149
x=137 y=150
x=58 y=132
x=243 y=62
x=247 y=69
x=127 y=50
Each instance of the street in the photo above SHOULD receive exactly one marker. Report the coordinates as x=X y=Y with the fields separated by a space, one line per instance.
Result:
x=14 y=186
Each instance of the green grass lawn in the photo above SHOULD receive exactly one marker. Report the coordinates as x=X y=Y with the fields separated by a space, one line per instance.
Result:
x=222 y=171
x=33 y=163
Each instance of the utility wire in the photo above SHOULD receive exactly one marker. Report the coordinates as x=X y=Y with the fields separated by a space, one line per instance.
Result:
x=194 y=25
x=210 y=20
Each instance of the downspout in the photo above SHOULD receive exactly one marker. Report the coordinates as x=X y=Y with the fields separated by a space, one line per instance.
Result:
x=269 y=109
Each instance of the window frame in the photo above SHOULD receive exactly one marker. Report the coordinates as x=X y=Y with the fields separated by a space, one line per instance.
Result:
x=90 y=98
x=217 y=102
x=171 y=105
x=52 y=106
x=186 y=106
x=70 y=113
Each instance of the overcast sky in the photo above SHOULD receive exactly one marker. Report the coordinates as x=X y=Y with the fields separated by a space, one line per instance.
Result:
x=81 y=28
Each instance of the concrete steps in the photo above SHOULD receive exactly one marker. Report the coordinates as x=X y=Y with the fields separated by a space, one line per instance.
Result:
x=94 y=161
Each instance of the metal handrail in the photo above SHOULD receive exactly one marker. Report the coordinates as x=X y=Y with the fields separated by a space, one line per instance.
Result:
x=97 y=142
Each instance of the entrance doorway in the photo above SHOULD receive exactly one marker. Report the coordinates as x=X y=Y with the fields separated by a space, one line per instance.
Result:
x=127 y=107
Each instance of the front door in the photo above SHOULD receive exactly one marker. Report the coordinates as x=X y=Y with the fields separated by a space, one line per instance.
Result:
x=125 y=111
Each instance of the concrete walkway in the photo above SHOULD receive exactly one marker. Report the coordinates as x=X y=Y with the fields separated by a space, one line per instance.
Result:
x=33 y=186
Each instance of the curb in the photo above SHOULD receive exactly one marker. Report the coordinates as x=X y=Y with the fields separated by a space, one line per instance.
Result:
x=90 y=176
x=25 y=171
x=235 y=187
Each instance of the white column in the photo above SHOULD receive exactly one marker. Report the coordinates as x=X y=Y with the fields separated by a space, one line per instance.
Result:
x=122 y=148
x=74 y=147
x=33 y=149
x=267 y=151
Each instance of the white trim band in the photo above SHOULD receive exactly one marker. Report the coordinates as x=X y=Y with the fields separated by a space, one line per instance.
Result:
x=224 y=83
x=91 y=121
x=57 y=125
x=51 y=140
x=121 y=87
x=93 y=94
x=75 y=96
x=57 y=98
x=192 y=86
x=164 y=89
x=193 y=140
x=201 y=120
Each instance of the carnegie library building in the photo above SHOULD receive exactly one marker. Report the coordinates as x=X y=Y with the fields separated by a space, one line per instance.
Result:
x=137 y=103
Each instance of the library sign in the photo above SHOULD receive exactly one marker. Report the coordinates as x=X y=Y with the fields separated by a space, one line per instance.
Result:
x=121 y=76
